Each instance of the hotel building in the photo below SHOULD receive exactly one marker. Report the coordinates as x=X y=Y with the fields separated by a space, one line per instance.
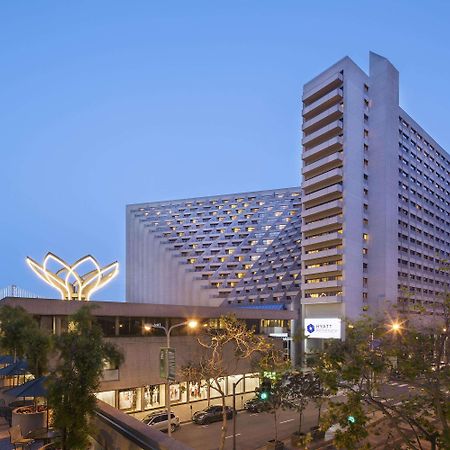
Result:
x=369 y=228
x=240 y=249
x=375 y=198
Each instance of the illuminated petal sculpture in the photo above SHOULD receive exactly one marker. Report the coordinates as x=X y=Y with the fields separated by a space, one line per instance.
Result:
x=69 y=283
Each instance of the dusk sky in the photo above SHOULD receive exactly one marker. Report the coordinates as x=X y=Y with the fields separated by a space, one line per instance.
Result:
x=106 y=103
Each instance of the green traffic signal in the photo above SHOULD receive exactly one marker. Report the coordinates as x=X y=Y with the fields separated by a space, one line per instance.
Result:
x=264 y=395
x=351 y=419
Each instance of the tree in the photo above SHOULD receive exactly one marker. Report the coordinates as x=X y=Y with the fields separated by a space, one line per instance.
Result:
x=363 y=362
x=273 y=401
x=272 y=367
x=298 y=389
x=82 y=354
x=21 y=337
x=223 y=349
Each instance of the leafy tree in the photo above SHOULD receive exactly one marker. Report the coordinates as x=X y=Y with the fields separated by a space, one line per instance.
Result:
x=82 y=353
x=275 y=399
x=298 y=389
x=361 y=364
x=21 y=337
x=272 y=366
x=223 y=349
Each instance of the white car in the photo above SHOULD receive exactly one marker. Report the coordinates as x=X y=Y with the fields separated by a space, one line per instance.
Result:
x=330 y=433
x=158 y=420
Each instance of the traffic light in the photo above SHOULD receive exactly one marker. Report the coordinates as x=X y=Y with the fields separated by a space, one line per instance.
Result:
x=351 y=419
x=264 y=390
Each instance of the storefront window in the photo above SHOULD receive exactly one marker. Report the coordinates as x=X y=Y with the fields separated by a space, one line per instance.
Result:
x=214 y=389
x=178 y=393
x=235 y=379
x=198 y=390
x=154 y=396
x=107 y=397
x=251 y=382
x=130 y=400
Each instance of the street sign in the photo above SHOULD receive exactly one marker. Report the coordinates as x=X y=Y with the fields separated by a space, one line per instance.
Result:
x=167 y=363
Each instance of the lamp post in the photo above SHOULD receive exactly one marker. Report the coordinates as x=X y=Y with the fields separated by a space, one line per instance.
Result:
x=191 y=324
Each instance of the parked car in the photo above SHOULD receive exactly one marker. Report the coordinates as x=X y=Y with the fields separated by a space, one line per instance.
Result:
x=211 y=414
x=254 y=405
x=159 y=420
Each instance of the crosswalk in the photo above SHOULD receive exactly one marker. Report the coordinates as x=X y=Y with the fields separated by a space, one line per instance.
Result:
x=397 y=383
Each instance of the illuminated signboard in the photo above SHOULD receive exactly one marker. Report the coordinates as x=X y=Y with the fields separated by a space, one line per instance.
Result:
x=323 y=328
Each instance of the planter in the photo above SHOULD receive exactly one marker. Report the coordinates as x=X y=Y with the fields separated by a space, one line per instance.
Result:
x=29 y=419
x=298 y=439
x=316 y=433
x=274 y=445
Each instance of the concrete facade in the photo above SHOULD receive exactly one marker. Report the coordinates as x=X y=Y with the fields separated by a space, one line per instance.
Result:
x=230 y=249
x=375 y=198
x=136 y=386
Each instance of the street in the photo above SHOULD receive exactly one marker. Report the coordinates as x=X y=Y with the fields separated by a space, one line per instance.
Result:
x=253 y=430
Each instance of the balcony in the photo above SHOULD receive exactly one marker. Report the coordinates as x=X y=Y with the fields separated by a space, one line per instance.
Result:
x=328 y=269
x=320 y=226
x=313 y=94
x=323 y=165
x=333 y=145
x=325 y=240
x=321 y=196
x=333 y=284
x=323 y=134
x=324 y=255
x=319 y=121
x=321 y=181
x=324 y=210
x=322 y=299
x=323 y=103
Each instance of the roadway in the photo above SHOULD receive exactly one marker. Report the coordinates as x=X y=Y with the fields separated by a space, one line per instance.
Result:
x=253 y=430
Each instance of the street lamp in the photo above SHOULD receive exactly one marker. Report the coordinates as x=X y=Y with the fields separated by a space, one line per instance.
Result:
x=191 y=323
x=396 y=327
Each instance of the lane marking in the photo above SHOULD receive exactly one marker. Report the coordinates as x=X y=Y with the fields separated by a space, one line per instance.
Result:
x=254 y=414
x=230 y=436
x=402 y=385
x=288 y=420
x=205 y=426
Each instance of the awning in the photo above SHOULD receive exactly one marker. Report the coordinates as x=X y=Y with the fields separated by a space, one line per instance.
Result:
x=18 y=368
x=6 y=359
x=32 y=388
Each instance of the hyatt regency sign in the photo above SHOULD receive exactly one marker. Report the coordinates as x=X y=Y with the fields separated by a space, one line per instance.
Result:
x=323 y=328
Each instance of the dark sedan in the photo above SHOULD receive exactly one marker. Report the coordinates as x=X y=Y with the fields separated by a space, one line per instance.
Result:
x=255 y=405
x=211 y=414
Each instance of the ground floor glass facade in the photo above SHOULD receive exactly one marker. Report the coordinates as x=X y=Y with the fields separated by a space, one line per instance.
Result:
x=143 y=398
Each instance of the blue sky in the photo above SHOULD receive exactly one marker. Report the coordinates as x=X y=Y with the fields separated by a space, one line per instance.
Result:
x=105 y=103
